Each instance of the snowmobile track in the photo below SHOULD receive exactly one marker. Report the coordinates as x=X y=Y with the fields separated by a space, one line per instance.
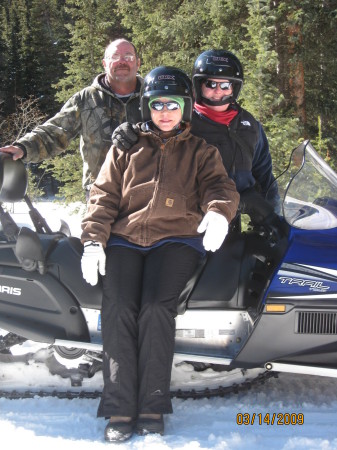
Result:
x=191 y=394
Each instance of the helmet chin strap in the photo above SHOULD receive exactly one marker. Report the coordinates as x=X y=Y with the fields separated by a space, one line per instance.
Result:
x=224 y=101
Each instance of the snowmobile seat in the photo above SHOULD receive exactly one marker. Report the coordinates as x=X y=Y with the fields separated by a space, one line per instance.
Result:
x=8 y=252
x=216 y=282
x=60 y=257
x=234 y=277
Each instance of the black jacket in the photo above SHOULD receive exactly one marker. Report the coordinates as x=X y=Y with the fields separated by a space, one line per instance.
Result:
x=244 y=149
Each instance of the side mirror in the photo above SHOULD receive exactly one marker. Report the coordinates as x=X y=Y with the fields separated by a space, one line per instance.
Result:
x=29 y=251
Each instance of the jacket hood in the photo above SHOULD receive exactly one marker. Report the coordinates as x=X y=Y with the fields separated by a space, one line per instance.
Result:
x=97 y=84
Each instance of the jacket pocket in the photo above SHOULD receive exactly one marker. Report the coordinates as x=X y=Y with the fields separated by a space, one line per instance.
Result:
x=140 y=199
x=169 y=204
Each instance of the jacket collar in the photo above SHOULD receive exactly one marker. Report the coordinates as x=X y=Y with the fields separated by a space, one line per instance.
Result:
x=98 y=84
x=149 y=127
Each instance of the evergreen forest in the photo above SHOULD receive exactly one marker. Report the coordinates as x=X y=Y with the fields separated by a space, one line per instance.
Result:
x=50 y=49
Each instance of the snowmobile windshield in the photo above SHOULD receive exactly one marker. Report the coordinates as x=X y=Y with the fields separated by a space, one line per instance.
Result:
x=309 y=190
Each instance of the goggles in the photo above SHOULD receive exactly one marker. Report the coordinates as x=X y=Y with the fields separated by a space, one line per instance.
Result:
x=116 y=57
x=224 y=85
x=159 y=106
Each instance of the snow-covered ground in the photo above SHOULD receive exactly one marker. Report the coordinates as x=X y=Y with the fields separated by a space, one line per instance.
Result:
x=49 y=423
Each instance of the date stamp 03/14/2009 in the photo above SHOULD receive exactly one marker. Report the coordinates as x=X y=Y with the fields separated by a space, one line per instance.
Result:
x=279 y=419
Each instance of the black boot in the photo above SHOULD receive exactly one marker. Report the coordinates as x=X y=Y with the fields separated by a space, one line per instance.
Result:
x=145 y=425
x=119 y=431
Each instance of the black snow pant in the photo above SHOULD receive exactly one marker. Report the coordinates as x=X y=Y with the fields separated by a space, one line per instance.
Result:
x=140 y=295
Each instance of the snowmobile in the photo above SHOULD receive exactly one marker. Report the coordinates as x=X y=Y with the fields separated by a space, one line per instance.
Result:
x=265 y=303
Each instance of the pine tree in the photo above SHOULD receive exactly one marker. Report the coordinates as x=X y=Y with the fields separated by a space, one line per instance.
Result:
x=49 y=41
x=306 y=42
x=261 y=95
x=32 y=38
x=15 y=37
x=319 y=47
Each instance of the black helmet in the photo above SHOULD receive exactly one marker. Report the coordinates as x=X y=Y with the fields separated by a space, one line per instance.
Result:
x=165 y=81
x=13 y=179
x=217 y=64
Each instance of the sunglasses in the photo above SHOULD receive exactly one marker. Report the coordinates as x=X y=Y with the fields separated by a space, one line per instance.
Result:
x=224 y=85
x=117 y=57
x=159 y=106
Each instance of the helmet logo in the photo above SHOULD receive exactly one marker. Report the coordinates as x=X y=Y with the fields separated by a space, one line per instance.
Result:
x=166 y=77
x=218 y=60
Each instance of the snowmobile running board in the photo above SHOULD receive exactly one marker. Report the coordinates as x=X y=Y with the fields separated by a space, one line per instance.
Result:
x=203 y=359
x=304 y=370
x=177 y=356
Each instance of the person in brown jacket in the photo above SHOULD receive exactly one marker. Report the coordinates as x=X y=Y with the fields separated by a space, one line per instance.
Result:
x=142 y=232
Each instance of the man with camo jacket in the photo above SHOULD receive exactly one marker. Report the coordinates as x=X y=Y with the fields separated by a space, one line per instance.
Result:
x=92 y=113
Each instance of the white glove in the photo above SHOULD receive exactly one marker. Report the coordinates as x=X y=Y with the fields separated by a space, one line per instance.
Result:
x=93 y=261
x=216 y=227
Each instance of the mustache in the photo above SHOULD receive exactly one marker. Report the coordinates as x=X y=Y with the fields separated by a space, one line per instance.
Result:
x=122 y=66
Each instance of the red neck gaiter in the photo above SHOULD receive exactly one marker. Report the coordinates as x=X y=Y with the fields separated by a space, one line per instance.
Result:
x=223 y=117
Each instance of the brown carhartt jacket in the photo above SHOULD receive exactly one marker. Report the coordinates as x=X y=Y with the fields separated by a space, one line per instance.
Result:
x=158 y=189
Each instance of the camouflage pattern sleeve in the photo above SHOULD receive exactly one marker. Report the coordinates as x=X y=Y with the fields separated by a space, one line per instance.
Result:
x=53 y=137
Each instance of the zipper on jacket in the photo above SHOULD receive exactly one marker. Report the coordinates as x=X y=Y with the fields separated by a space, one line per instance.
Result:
x=158 y=177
